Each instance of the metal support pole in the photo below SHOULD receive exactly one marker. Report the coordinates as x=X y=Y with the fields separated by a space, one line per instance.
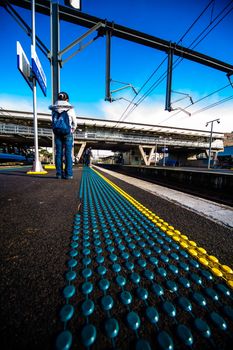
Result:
x=55 y=48
x=108 y=62
x=169 y=81
x=211 y=133
x=37 y=167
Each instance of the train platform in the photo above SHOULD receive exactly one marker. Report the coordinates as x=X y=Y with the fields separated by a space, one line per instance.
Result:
x=218 y=212
x=99 y=263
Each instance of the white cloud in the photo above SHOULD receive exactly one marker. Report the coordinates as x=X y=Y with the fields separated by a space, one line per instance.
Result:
x=149 y=112
x=153 y=113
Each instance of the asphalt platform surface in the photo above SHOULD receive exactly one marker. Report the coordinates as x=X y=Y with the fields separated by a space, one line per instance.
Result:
x=37 y=216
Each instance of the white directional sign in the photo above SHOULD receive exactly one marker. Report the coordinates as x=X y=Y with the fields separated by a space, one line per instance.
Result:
x=23 y=64
x=38 y=71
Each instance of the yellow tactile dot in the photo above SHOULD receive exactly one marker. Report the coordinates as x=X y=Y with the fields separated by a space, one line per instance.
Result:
x=227 y=269
x=213 y=258
x=164 y=228
x=158 y=224
x=192 y=243
x=177 y=232
x=193 y=252
x=154 y=221
x=202 y=250
x=230 y=283
x=171 y=227
x=217 y=272
x=170 y=233
x=176 y=238
x=184 y=245
x=184 y=237
x=203 y=261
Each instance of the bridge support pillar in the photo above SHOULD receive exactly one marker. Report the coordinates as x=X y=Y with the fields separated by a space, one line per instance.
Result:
x=147 y=158
x=81 y=149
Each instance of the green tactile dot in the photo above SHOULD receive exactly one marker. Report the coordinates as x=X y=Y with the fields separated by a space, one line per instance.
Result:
x=185 y=334
x=152 y=314
x=64 y=341
x=88 y=335
x=169 y=308
x=202 y=327
x=142 y=344
x=218 y=320
x=66 y=313
x=133 y=320
x=107 y=302
x=111 y=327
x=126 y=297
x=87 y=307
x=70 y=276
x=165 y=341
x=69 y=291
x=228 y=310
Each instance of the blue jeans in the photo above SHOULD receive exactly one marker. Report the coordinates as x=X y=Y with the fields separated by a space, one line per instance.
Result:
x=64 y=146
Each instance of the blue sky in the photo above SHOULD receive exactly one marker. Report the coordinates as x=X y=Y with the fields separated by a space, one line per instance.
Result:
x=83 y=77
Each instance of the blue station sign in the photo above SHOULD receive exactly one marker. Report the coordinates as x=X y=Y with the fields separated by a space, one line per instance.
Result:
x=38 y=71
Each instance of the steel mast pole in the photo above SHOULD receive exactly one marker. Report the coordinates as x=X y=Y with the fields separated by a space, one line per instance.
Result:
x=37 y=167
x=54 y=59
x=211 y=135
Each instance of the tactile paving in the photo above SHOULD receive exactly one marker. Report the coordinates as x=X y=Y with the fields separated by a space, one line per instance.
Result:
x=135 y=282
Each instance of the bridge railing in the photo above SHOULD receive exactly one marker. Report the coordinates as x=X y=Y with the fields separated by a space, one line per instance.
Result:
x=111 y=137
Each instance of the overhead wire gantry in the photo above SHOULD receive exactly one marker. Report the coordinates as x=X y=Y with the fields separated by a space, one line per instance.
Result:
x=110 y=29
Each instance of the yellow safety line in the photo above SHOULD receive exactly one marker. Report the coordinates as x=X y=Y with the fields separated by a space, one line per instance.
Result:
x=199 y=253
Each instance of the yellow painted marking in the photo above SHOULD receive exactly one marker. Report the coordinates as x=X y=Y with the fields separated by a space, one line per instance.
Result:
x=50 y=166
x=199 y=253
x=37 y=172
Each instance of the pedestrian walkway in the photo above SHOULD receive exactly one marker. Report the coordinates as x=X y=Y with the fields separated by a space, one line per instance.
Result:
x=135 y=282
x=219 y=213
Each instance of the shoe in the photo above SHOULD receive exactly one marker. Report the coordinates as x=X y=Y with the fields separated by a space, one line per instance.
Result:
x=69 y=177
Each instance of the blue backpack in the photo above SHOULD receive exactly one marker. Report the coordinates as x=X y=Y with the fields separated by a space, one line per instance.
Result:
x=60 y=123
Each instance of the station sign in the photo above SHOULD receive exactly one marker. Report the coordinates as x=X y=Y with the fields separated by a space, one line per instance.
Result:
x=23 y=64
x=38 y=71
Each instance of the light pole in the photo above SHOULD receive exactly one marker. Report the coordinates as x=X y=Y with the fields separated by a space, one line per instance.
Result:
x=211 y=132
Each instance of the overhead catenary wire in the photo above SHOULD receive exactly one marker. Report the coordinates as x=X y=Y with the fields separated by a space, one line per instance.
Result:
x=197 y=101
x=163 y=76
x=163 y=61
x=213 y=104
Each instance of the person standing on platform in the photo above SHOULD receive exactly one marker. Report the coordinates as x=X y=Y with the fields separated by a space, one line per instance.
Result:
x=87 y=156
x=64 y=124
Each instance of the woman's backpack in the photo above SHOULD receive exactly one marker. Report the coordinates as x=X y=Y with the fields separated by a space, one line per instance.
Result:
x=61 y=123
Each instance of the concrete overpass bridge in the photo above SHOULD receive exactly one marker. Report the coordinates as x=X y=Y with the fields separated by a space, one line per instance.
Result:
x=138 y=142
